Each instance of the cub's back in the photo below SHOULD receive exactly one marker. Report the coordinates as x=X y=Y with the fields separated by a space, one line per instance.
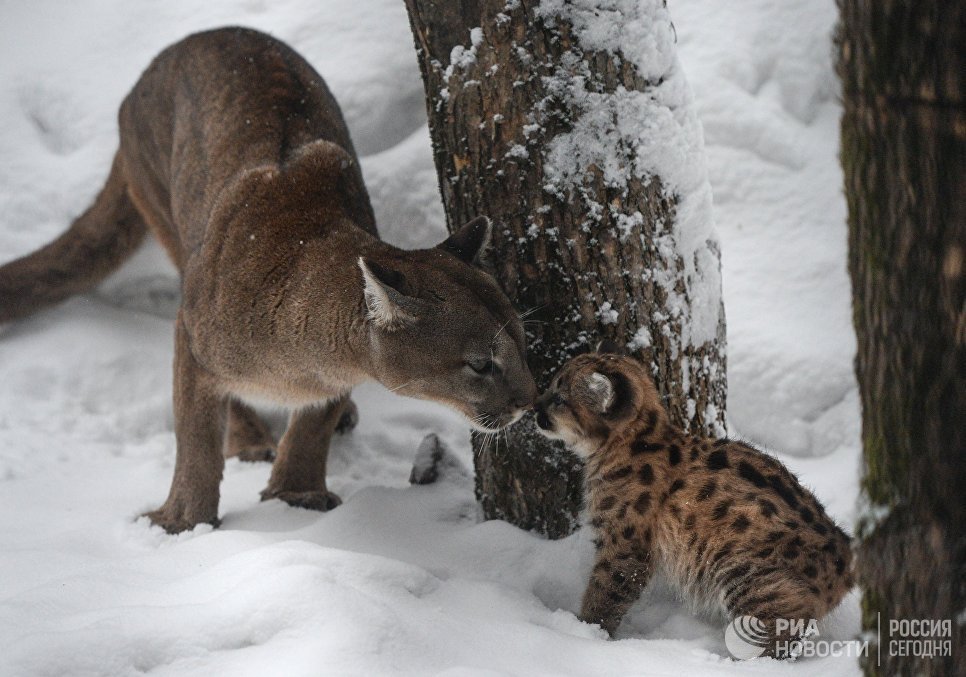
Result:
x=734 y=504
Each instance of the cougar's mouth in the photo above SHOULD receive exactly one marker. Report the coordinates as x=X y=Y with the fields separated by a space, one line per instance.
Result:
x=488 y=423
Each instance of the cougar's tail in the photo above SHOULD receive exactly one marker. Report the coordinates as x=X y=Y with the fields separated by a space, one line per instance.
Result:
x=95 y=245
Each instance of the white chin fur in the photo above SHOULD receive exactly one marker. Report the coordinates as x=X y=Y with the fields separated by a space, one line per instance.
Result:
x=551 y=434
x=488 y=429
x=482 y=429
x=572 y=444
x=516 y=417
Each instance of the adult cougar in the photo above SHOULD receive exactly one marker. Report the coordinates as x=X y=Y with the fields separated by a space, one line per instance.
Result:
x=235 y=155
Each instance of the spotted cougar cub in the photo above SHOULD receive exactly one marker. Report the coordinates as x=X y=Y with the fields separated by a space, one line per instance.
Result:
x=730 y=526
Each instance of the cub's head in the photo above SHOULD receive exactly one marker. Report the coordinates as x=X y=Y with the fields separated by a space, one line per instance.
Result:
x=441 y=329
x=594 y=395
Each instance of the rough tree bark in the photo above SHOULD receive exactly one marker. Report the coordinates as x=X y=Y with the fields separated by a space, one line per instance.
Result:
x=904 y=157
x=549 y=132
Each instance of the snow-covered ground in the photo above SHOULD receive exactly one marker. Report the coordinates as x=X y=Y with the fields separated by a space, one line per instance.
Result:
x=399 y=579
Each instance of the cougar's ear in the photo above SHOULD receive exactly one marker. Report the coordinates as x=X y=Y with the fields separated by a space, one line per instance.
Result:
x=610 y=347
x=390 y=307
x=601 y=391
x=469 y=241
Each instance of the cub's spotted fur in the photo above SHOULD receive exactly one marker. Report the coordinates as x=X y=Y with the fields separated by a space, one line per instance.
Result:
x=730 y=526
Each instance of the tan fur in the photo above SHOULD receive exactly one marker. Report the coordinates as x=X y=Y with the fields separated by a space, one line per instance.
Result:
x=236 y=156
x=730 y=526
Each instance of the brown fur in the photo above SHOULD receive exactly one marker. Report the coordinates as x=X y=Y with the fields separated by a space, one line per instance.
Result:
x=728 y=524
x=235 y=155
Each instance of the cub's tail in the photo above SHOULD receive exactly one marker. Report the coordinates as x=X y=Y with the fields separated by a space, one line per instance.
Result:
x=97 y=243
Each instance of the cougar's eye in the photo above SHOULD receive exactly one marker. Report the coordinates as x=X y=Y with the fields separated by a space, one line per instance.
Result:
x=557 y=400
x=481 y=365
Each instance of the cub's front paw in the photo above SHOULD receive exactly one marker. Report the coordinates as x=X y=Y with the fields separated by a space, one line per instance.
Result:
x=608 y=625
x=175 y=521
x=322 y=501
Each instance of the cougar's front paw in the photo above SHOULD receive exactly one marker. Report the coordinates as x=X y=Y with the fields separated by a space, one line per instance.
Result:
x=322 y=501
x=175 y=521
x=349 y=418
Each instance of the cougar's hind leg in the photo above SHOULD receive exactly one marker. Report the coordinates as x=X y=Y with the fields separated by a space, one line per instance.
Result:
x=199 y=421
x=247 y=437
x=298 y=476
x=349 y=418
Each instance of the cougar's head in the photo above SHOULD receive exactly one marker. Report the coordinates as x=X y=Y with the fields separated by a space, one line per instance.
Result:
x=441 y=329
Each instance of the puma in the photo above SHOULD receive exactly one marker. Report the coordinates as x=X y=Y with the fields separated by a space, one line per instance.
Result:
x=235 y=155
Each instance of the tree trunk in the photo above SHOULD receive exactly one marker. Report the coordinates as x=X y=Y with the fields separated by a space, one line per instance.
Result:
x=588 y=157
x=904 y=159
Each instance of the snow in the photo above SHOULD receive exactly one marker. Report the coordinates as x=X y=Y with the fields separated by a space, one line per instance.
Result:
x=400 y=578
x=461 y=57
x=640 y=31
x=766 y=94
x=607 y=313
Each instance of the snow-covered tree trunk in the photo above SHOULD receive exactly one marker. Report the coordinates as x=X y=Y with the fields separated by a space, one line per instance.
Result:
x=904 y=159
x=570 y=124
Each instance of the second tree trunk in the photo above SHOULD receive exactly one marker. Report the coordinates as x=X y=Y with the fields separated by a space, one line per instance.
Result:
x=561 y=138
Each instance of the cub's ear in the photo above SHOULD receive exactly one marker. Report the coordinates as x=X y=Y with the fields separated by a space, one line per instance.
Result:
x=386 y=293
x=601 y=391
x=469 y=241
x=610 y=347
